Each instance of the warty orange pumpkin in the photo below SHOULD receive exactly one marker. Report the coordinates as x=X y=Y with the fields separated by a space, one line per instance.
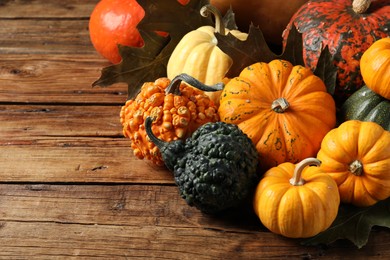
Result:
x=284 y=109
x=178 y=107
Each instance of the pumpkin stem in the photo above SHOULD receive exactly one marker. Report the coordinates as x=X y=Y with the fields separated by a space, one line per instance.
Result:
x=280 y=105
x=356 y=168
x=297 y=180
x=174 y=86
x=170 y=151
x=360 y=6
x=148 y=129
x=219 y=26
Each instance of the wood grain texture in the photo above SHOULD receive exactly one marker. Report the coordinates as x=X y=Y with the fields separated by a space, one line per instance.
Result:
x=45 y=36
x=59 y=78
x=75 y=159
x=17 y=9
x=70 y=187
x=94 y=221
x=60 y=121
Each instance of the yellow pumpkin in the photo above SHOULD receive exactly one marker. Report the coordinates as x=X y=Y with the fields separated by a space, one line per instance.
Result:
x=197 y=54
x=375 y=67
x=284 y=109
x=295 y=200
x=357 y=156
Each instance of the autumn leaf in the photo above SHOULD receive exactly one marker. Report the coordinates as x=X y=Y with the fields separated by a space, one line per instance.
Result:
x=149 y=62
x=255 y=49
x=326 y=70
x=138 y=64
x=354 y=224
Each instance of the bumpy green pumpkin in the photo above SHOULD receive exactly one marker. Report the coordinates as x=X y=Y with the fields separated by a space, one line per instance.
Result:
x=366 y=105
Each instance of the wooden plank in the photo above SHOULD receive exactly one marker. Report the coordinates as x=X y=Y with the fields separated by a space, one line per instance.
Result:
x=142 y=222
x=133 y=205
x=59 y=121
x=84 y=159
x=60 y=78
x=69 y=144
x=30 y=36
x=25 y=240
x=53 y=240
x=52 y=8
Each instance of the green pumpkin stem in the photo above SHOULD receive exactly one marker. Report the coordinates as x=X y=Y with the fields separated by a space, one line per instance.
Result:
x=219 y=26
x=297 y=179
x=148 y=129
x=360 y=6
x=170 y=151
x=174 y=86
x=280 y=105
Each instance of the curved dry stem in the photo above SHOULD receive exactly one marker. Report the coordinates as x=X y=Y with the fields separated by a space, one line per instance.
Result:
x=219 y=26
x=297 y=180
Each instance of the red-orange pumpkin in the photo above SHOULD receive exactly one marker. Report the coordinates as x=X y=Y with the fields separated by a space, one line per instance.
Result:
x=348 y=28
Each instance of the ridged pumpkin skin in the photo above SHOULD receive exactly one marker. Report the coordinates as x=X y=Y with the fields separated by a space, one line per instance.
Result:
x=296 y=211
x=288 y=136
x=346 y=33
x=375 y=67
x=366 y=105
x=357 y=156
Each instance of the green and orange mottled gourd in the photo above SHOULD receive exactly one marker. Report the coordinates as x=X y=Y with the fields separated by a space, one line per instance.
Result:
x=284 y=109
x=348 y=28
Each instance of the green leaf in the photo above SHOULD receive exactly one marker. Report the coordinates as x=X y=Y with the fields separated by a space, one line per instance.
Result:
x=354 y=224
x=255 y=49
x=149 y=62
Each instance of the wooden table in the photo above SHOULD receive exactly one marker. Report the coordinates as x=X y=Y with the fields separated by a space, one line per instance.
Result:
x=70 y=186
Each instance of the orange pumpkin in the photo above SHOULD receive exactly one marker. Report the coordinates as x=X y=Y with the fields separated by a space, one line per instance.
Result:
x=375 y=67
x=295 y=200
x=178 y=106
x=284 y=109
x=357 y=156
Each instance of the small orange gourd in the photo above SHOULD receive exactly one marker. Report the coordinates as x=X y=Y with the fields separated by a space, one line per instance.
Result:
x=295 y=200
x=284 y=109
x=357 y=156
x=375 y=67
x=178 y=107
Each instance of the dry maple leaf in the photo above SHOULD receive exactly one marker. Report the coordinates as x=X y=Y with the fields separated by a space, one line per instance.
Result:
x=149 y=62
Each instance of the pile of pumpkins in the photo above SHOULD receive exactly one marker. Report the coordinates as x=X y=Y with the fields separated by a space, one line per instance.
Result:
x=311 y=161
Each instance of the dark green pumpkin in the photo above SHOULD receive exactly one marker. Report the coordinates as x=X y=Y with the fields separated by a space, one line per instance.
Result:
x=366 y=105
